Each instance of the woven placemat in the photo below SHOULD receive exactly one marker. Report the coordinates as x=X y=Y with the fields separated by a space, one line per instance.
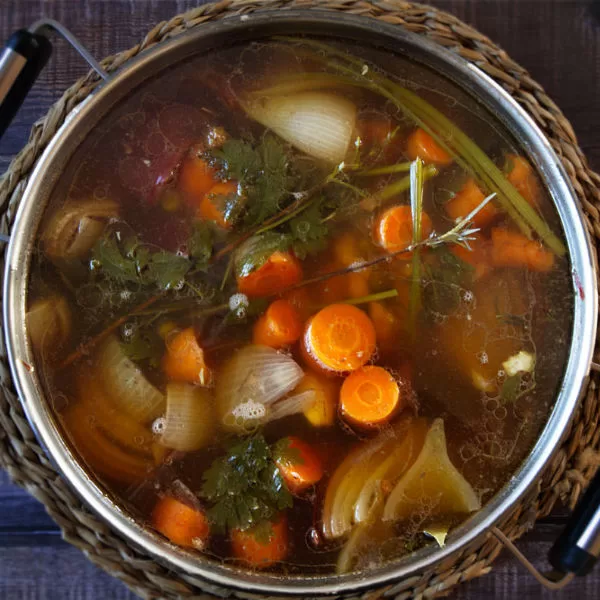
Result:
x=573 y=464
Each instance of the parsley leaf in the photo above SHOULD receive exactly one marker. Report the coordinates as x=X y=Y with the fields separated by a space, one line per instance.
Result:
x=255 y=252
x=144 y=344
x=245 y=486
x=285 y=454
x=309 y=233
x=200 y=245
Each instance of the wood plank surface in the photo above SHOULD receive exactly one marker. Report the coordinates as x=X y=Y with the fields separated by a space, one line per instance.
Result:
x=558 y=41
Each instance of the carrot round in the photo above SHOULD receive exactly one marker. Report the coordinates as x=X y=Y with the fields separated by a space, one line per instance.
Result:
x=422 y=145
x=184 y=358
x=466 y=200
x=181 y=524
x=394 y=228
x=250 y=547
x=196 y=178
x=280 y=271
x=512 y=249
x=209 y=208
x=279 y=326
x=524 y=179
x=369 y=397
x=299 y=464
x=339 y=338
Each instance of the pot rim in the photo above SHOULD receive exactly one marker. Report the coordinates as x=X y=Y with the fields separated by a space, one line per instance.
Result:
x=388 y=37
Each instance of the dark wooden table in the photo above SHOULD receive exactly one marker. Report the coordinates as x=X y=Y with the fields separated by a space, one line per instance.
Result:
x=557 y=40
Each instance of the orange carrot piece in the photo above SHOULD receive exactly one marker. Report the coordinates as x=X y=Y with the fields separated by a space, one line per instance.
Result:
x=258 y=553
x=478 y=256
x=512 y=249
x=339 y=338
x=299 y=465
x=467 y=199
x=196 y=178
x=388 y=327
x=181 y=524
x=369 y=397
x=279 y=326
x=422 y=145
x=322 y=410
x=524 y=179
x=184 y=358
x=209 y=209
x=394 y=229
x=280 y=271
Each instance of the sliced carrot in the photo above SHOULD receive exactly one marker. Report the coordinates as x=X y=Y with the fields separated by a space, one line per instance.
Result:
x=279 y=326
x=394 y=229
x=196 y=178
x=347 y=249
x=369 y=397
x=467 y=199
x=302 y=301
x=478 y=256
x=184 y=358
x=249 y=547
x=298 y=463
x=524 y=179
x=280 y=271
x=422 y=145
x=181 y=524
x=512 y=249
x=339 y=338
x=210 y=205
x=321 y=412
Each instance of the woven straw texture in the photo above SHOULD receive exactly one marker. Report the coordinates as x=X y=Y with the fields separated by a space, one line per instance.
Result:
x=574 y=462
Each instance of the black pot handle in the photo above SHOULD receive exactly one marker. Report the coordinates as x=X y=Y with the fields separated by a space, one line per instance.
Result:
x=24 y=56
x=578 y=546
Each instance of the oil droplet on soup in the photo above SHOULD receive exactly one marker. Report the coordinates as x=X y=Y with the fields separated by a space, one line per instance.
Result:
x=271 y=311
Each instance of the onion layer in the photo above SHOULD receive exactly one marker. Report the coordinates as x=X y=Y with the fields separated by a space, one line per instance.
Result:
x=189 y=423
x=251 y=382
x=126 y=385
x=49 y=323
x=317 y=123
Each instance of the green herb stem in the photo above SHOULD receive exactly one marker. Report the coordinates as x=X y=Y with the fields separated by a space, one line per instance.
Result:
x=387 y=170
x=393 y=293
x=416 y=206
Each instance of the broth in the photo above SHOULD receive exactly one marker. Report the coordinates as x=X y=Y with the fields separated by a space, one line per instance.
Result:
x=238 y=337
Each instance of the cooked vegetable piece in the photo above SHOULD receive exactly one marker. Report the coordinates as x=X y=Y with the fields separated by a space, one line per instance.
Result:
x=126 y=384
x=74 y=229
x=251 y=383
x=181 y=524
x=104 y=456
x=196 y=178
x=190 y=420
x=394 y=229
x=339 y=338
x=359 y=481
x=184 y=358
x=512 y=249
x=422 y=145
x=279 y=326
x=244 y=487
x=262 y=546
x=477 y=255
x=299 y=465
x=524 y=179
x=279 y=271
x=388 y=326
x=466 y=200
x=321 y=411
x=49 y=324
x=369 y=397
x=432 y=481
x=213 y=206
x=318 y=123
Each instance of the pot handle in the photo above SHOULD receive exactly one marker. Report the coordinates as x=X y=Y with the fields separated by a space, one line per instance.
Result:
x=578 y=546
x=24 y=56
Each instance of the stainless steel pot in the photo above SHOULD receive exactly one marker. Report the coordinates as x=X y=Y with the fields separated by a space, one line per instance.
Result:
x=360 y=30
